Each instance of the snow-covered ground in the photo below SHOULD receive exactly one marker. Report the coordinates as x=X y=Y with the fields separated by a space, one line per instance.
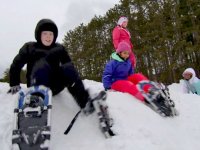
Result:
x=137 y=126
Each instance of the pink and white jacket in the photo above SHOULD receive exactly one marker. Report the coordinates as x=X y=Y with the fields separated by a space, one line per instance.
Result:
x=120 y=34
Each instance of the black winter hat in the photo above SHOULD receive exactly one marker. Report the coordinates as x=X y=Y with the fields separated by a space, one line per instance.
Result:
x=45 y=25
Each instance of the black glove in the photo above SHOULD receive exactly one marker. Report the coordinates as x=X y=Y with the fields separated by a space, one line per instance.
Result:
x=107 y=89
x=14 y=89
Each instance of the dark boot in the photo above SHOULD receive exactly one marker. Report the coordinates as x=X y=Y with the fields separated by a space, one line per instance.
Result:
x=75 y=85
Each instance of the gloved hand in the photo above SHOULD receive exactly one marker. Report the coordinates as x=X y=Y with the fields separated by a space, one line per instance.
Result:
x=88 y=109
x=107 y=89
x=14 y=89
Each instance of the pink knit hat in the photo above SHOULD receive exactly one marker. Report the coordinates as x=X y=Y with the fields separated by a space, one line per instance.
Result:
x=121 y=20
x=123 y=46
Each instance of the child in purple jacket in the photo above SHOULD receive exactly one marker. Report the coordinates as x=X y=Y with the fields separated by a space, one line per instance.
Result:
x=119 y=74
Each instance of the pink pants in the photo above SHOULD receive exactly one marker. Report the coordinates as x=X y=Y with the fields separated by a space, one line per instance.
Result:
x=129 y=85
x=132 y=59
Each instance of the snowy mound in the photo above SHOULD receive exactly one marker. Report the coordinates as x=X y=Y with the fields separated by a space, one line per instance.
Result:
x=137 y=126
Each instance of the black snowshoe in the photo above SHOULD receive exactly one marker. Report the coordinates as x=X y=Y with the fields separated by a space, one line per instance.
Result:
x=98 y=105
x=101 y=109
x=158 y=98
x=32 y=121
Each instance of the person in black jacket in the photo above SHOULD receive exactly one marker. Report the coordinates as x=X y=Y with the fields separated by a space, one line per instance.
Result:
x=48 y=64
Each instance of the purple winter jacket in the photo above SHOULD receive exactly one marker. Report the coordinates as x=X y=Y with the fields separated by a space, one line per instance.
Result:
x=116 y=69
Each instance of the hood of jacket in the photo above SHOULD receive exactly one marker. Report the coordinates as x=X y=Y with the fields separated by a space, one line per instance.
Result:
x=45 y=25
x=194 y=78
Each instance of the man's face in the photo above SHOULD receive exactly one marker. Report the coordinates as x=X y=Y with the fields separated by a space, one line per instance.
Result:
x=47 y=38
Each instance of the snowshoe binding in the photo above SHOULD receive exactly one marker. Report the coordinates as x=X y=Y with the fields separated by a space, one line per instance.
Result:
x=32 y=124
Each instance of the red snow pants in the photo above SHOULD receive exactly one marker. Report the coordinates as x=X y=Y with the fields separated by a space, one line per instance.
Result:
x=132 y=59
x=129 y=85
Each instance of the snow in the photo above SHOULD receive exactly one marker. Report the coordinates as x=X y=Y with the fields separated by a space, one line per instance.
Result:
x=137 y=126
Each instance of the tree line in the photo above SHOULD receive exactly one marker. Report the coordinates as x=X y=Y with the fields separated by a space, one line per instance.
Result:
x=165 y=34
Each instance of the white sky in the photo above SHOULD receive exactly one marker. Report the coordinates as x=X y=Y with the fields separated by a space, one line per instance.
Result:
x=18 y=19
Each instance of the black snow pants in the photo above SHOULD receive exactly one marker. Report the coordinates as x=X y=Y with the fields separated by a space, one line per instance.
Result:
x=59 y=77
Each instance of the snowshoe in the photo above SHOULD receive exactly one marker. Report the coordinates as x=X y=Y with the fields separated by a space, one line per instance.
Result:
x=98 y=105
x=101 y=108
x=158 y=98
x=32 y=120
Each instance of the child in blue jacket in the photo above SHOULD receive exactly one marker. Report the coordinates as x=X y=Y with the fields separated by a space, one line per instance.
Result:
x=119 y=74
x=190 y=83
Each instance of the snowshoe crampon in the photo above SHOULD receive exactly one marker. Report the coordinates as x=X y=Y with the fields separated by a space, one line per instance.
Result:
x=101 y=108
x=32 y=120
x=158 y=98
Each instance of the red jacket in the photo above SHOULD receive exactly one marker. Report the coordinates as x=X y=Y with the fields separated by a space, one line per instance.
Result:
x=120 y=34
